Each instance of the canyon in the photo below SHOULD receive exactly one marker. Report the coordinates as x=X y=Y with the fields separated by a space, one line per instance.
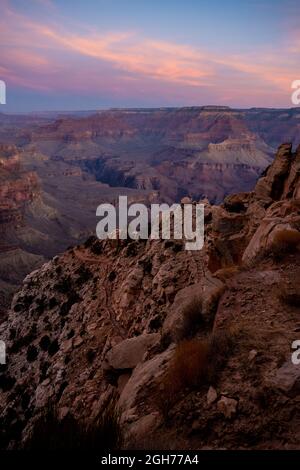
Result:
x=193 y=348
x=69 y=163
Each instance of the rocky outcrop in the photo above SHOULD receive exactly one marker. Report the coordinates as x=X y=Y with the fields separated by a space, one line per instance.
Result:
x=248 y=225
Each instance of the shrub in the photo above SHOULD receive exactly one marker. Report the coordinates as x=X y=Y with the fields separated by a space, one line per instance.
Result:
x=194 y=363
x=112 y=276
x=24 y=340
x=32 y=353
x=191 y=319
x=52 y=302
x=50 y=433
x=6 y=382
x=285 y=241
x=45 y=343
x=89 y=242
x=187 y=369
x=288 y=292
x=90 y=355
x=18 y=308
x=96 y=248
x=66 y=306
x=106 y=432
x=84 y=275
x=220 y=347
x=53 y=348
x=189 y=363
x=64 y=285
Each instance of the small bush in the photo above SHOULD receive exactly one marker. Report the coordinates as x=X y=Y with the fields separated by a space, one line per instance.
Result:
x=18 y=308
x=84 y=275
x=289 y=292
x=64 y=285
x=285 y=241
x=195 y=362
x=192 y=319
x=189 y=364
x=187 y=369
x=52 y=302
x=220 y=347
x=96 y=248
x=89 y=242
x=112 y=276
x=90 y=355
x=53 y=348
x=50 y=433
x=32 y=353
x=66 y=306
x=6 y=382
x=45 y=343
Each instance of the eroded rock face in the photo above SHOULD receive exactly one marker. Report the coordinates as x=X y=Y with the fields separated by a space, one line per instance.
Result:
x=270 y=187
x=18 y=190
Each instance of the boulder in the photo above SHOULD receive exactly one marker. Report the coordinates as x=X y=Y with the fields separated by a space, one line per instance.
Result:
x=143 y=375
x=128 y=353
x=207 y=292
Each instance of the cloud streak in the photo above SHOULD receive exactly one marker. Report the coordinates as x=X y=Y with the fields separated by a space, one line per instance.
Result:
x=45 y=56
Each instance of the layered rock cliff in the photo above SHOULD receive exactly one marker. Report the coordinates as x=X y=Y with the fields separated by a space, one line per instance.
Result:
x=18 y=190
x=111 y=318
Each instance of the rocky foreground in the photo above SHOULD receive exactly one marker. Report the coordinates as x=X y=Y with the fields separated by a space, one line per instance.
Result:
x=194 y=346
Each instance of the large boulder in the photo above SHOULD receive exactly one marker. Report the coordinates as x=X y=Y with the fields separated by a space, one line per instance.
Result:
x=143 y=376
x=206 y=293
x=128 y=353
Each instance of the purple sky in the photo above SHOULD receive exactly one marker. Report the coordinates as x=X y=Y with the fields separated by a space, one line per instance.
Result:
x=88 y=54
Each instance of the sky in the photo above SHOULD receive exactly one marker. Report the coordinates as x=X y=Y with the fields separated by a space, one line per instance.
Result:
x=94 y=54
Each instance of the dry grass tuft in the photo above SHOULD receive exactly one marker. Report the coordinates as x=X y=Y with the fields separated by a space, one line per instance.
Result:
x=51 y=433
x=194 y=363
x=192 y=319
x=285 y=241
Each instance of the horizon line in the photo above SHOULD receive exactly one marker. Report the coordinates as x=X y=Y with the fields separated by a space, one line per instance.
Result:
x=141 y=108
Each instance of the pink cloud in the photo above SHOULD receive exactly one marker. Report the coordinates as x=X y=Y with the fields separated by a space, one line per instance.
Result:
x=43 y=56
